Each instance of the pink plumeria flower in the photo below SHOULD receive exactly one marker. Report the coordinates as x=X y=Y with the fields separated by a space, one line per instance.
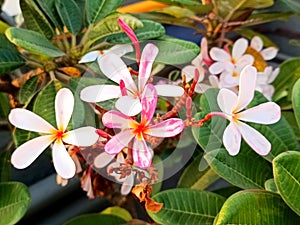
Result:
x=25 y=154
x=136 y=132
x=232 y=106
x=267 y=53
x=264 y=80
x=128 y=94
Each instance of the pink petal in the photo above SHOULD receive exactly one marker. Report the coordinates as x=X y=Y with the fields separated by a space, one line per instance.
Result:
x=142 y=154
x=148 y=56
x=89 y=57
x=265 y=113
x=169 y=90
x=239 y=48
x=128 y=105
x=226 y=100
x=269 y=53
x=115 y=119
x=25 y=154
x=27 y=120
x=257 y=43
x=167 y=128
x=246 y=87
x=63 y=163
x=99 y=93
x=121 y=50
x=118 y=142
x=64 y=105
x=115 y=69
x=219 y=54
x=83 y=136
x=149 y=100
x=254 y=139
x=127 y=185
x=103 y=159
x=232 y=139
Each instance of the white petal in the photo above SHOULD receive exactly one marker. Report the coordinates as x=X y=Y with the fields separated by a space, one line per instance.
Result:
x=63 y=163
x=226 y=100
x=64 y=105
x=25 y=154
x=189 y=71
x=274 y=75
x=239 y=48
x=265 y=113
x=228 y=80
x=219 y=54
x=121 y=50
x=83 y=136
x=99 y=93
x=232 y=139
x=214 y=81
x=127 y=185
x=103 y=159
x=257 y=43
x=128 y=105
x=219 y=67
x=148 y=101
x=246 y=87
x=118 y=142
x=254 y=139
x=201 y=88
x=169 y=90
x=245 y=60
x=115 y=119
x=27 y=120
x=269 y=53
x=89 y=57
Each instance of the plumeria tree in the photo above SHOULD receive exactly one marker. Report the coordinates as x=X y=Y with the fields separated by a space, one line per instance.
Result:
x=109 y=113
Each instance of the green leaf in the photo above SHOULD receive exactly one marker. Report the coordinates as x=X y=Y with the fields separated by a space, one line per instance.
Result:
x=28 y=90
x=296 y=101
x=97 y=218
x=290 y=118
x=70 y=15
x=186 y=206
x=21 y=136
x=249 y=33
x=197 y=175
x=158 y=164
x=6 y=44
x=255 y=207
x=292 y=4
x=98 y=9
x=259 y=18
x=32 y=41
x=117 y=211
x=5 y=166
x=180 y=2
x=287 y=178
x=10 y=60
x=177 y=12
x=245 y=170
x=35 y=19
x=14 y=201
x=5 y=105
x=3 y=26
x=271 y=186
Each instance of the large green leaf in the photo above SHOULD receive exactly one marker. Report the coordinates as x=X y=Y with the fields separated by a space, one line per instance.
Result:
x=98 y=9
x=180 y=2
x=296 y=101
x=96 y=218
x=21 y=136
x=35 y=19
x=292 y=4
x=70 y=14
x=5 y=105
x=255 y=207
x=245 y=170
x=10 y=60
x=32 y=41
x=14 y=201
x=5 y=166
x=28 y=90
x=291 y=119
x=259 y=18
x=117 y=211
x=287 y=178
x=186 y=206
x=3 y=26
x=6 y=44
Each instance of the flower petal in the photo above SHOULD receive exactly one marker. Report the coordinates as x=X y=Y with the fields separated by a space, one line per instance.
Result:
x=115 y=69
x=269 y=53
x=103 y=159
x=121 y=50
x=265 y=113
x=99 y=93
x=128 y=105
x=219 y=54
x=239 y=48
x=149 y=100
x=118 y=142
x=254 y=139
x=246 y=87
x=257 y=43
x=27 y=120
x=226 y=100
x=169 y=90
x=232 y=139
x=167 y=128
x=64 y=105
x=89 y=57
x=127 y=185
x=189 y=72
x=83 y=136
x=245 y=60
x=115 y=119
x=63 y=163
x=25 y=154
x=147 y=59
x=142 y=154
x=219 y=67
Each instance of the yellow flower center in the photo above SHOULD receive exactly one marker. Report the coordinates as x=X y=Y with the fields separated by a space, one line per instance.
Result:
x=139 y=129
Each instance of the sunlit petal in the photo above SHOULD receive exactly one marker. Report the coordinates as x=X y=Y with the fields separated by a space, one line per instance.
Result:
x=239 y=48
x=83 y=136
x=127 y=185
x=27 y=120
x=269 y=53
x=254 y=139
x=219 y=54
x=103 y=159
x=257 y=43
x=142 y=154
x=99 y=93
x=25 y=154
x=63 y=163
x=265 y=113
x=128 y=105
x=245 y=60
x=226 y=100
x=118 y=142
x=149 y=100
x=219 y=67
x=64 y=105
x=167 y=128
x=115 y=119
x=169 y=90
x=121 y=50
x=89 y=57
x=232 y=139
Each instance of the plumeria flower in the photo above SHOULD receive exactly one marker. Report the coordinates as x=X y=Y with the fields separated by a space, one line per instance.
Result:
x=264 y=80
x=128 y=94
x=134 y=131
x=232 y=106
x=25 y=154
x=267 y=53
x=119 y=50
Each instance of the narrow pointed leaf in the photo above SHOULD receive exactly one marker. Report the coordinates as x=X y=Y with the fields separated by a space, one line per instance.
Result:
x=10 y=60
x=5 y=105
x=5 y=166
x=89 y=219
x=296 y=101
x=28 y=90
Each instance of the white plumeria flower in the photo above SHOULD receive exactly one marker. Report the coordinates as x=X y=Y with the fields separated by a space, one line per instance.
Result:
x=264 y=80
x=25 y=154
x=267 y=53
x=119 y=50
x=116 y=70
x=232 y=106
